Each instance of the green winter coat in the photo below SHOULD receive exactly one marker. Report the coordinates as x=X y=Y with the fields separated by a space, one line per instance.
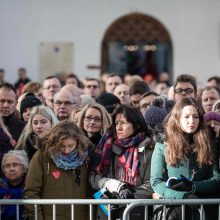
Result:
x=206 y=180
x=46 y=181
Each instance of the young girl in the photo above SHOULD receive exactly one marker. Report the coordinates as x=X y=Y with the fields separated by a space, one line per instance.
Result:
x=58 y=171
x=41 y=120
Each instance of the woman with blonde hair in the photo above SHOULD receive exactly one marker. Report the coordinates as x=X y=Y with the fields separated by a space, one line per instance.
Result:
x=42 y=118
x=94 y=121
x=182 y=167
x=59 y=171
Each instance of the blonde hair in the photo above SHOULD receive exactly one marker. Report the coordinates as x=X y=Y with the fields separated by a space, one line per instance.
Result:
x=42 y=110
x=106 y=118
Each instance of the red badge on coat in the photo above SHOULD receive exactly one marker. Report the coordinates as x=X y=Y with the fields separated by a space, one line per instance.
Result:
x=56 y=174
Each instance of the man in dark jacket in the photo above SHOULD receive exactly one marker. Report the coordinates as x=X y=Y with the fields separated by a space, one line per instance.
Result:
x=8 y=103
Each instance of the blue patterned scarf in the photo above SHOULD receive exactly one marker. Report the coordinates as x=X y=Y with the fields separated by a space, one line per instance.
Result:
x=70 y=161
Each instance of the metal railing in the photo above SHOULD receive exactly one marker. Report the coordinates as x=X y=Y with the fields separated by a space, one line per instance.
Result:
x=131 y=203
x=172 y=202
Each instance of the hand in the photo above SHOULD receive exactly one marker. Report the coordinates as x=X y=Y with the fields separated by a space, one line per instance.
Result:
x=184 y=185
x=126 y=193
x=191 y=196
x=155 y=196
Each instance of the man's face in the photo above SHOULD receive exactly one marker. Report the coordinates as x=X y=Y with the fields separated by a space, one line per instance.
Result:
x=209 y=97
x=184 y=89
x=122 y=92
x=92 y=88
x=63 y=105
x=146 y=102
x=50 y=88
x=7 y=102
x=135 y=99
x=112 y=83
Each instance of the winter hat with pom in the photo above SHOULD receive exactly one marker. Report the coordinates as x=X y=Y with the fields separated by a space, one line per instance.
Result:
x=156 y=113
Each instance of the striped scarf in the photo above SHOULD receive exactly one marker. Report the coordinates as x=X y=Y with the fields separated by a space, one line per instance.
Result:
x=126 y=167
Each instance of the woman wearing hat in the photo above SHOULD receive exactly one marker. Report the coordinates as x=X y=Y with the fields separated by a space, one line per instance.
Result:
x=212 y=119
x=27 y=104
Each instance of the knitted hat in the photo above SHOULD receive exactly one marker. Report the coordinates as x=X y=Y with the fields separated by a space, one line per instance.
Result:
x=108 y=100
x=209 y=116
x=155 y=114
x=29 y=101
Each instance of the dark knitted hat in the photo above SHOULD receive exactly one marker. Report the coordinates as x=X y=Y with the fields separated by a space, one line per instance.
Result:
x=29 y=101
x=155 y=114
x=209 y=116
x=109 y=101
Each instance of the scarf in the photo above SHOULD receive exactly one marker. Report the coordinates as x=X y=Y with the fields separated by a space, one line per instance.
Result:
x=127 y=167
x=70 y=161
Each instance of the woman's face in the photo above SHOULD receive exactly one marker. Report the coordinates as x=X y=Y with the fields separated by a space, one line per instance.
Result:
x=124 y=128
x=68 y=145
x=41 y=125
x=92 y=122
x=26 y=113
x=13 y=170
x=216 y=126
x=189 y=119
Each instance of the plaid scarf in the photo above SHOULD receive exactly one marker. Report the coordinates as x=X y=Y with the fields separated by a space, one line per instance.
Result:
x=127 y=167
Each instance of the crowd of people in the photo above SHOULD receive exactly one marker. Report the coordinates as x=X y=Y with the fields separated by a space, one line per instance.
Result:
x=129 y=138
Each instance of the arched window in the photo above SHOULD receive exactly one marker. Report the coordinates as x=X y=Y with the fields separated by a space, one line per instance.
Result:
x=138 y=44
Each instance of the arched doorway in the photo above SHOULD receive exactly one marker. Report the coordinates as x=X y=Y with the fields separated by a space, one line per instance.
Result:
x=138 y=44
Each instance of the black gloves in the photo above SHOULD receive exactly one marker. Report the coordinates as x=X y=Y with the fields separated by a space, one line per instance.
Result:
x=126 y=193
x=180 y=184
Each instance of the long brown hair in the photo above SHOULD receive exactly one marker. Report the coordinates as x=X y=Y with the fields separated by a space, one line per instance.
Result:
x=61 y=131
x=178 y=145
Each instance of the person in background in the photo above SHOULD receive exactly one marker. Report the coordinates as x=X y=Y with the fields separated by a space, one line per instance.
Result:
x=59 y=171
x=92 y=87
x=2 y=76
x=112 y=81
x=216 y=106
x=185 y=86
x=64 y=104
x=214 y=81
x=72 y=79
x=212 y=119
x=51 y=86
x=109 y=101
x=122 y=92
x=121 y=163
x=27 y=104
x=137 y=89
x=14 y=166
x=146 y=100
x=8 y=101
x=36 y=88
x=41 y=119
x=22 y=80
x=209 y=96
x=185 y=154
x=94 y=120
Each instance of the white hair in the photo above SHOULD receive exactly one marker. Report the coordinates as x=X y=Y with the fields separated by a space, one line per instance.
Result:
x=21 y=155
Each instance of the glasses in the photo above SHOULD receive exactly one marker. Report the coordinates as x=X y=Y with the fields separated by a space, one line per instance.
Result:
x=66 y=103
x=92 y=86
x=13 y=165
x=90 y=118
x=10 y=102
x=52 y=86
x=187 y=91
